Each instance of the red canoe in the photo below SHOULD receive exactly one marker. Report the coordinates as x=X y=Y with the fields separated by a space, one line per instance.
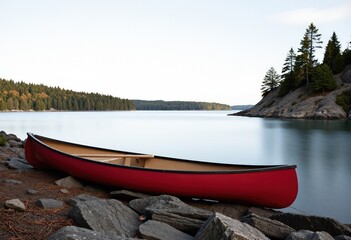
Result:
x=273 y=186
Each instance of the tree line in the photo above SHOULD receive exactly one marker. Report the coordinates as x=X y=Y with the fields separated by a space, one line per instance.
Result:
x=178 y=105
x=38 y=97
x=303 y=69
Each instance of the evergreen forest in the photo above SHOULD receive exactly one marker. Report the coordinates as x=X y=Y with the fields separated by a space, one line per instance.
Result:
x=302 y=68
x=178 y=105
x=20 y=96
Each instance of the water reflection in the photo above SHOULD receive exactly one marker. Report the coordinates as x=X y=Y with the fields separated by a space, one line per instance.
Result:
x=322 y=153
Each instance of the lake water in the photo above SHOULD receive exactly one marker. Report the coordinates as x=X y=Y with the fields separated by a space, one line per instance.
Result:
x=320 y=149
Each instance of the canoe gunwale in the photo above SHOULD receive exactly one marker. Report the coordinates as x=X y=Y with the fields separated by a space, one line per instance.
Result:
x=252 y=168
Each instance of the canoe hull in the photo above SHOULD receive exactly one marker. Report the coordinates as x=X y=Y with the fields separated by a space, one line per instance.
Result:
x=271 y=187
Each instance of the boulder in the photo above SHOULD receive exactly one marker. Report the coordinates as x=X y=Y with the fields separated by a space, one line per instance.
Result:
x=49 y=203
x=106 y=216
x=309 y=235
x=222 y=227
x=271 y=228
x=18 y=163
x=155 y=230
x=81 y=198
x=167 y=203
x=69 y=182
x=171 y=210
x=77 y=233
x=342 y=237
x=313 y=223
x=128 y=195
x=15 y=204
x=235 y=211
x=263 y=212
x=15 y=144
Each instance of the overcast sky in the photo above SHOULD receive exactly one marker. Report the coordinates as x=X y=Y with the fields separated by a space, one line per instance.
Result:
x=191 y=50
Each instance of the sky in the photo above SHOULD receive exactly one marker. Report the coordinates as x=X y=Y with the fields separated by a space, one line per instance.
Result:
x=186 y=50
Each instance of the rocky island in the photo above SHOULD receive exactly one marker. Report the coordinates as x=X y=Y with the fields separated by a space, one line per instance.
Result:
x=307 y=89
x=303 y=104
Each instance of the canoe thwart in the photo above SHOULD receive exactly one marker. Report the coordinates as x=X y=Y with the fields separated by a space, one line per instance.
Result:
x=114 y=155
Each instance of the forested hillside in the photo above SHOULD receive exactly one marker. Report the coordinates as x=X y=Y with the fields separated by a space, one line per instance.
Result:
x=23 y=96
x=178 y=105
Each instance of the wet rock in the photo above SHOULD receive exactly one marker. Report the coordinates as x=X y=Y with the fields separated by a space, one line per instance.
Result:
x=69 y=182
x=49 y=203
x=77 y=233
x=158 y=231
x=18 y=163
x=271 y=228
x=81 y=198
x=219 y=226
x=128 y=195
x=32 y=191
x=309 y=235
x=15 y=204
x=313 y=223
x=106 y=216
x=12 y=181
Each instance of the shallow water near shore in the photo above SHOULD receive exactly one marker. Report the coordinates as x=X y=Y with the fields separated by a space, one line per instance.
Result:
x=320 y=149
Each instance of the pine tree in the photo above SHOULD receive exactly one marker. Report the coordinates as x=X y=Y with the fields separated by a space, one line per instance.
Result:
x=309 y=44
x=288 y=82
x=323 y=79
x=270 y=82
x=332 y=55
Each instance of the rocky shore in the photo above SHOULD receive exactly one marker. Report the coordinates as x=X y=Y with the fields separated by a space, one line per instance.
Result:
x=302 y=104
x=36 y=204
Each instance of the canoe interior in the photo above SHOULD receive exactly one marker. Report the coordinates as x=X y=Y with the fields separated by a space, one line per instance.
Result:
x=140 y=160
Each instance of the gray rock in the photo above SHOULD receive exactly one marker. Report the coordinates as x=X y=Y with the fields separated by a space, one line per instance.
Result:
x=18 y=163
x=184 y=224
x=77 y=233
x=32 y=191
x=3 y=156
x=65 y=191
x=168 y=203
x=129 y=195
x=69 y=182
x=342 y=237
x=313 y=223
x=12 y=181
x=81 y=198
x=106 y=216
x=171 y=210
x=235 y=211
x=155 y=230
x=49 y=203
x=309 y=235
x=222 y=227
x=15 y=204
x=12 y=137
x=15 y=144
x=271 y=228
x=263 y=212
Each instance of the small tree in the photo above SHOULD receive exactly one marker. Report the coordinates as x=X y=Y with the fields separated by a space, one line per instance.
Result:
x=270 y=82
x=332 y=55
x=323 y=79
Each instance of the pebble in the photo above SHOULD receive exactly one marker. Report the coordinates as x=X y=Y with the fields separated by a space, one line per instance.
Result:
x=13 y=181
x=32 y=191
x=15 y=204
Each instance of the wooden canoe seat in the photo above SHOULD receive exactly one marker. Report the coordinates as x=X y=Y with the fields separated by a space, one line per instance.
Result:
x=137 y=160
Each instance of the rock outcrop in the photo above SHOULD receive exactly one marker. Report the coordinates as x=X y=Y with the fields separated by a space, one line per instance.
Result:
x=299 y=105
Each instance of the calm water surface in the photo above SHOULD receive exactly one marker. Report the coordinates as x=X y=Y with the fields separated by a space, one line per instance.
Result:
x=320 y=149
